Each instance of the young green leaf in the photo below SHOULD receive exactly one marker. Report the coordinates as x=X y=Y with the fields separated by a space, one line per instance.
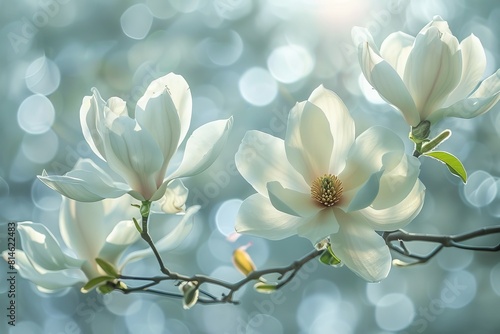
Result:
x=329 y=258
x=451 y=161
x=107 y=267
x=264 y=287
x=94 y=282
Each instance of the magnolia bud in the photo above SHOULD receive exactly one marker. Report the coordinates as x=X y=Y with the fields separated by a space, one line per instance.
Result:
x=190 y=292
x=242 y=261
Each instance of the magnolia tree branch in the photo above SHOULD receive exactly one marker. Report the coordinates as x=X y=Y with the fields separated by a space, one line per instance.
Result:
x=396 y=240
x=286 y=274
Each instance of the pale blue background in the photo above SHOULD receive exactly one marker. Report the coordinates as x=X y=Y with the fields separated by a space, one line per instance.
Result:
x=252 y=60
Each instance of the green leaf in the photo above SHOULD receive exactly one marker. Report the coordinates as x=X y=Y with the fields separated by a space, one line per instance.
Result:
x=329 y=258
x=107 y=267
x=105 y=289
x=451 y=161
x=265 y=287
x=94 y=282
x=137 y=225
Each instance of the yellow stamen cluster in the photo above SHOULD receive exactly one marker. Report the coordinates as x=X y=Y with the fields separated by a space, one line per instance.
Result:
x=327 y=189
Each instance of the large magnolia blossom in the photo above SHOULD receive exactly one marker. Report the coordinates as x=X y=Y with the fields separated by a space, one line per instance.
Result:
x=322 y=182
x=90 y=231
x=139 y=150
x=430 y=76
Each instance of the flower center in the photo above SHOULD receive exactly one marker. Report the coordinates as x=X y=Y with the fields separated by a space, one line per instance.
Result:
x=327 y=189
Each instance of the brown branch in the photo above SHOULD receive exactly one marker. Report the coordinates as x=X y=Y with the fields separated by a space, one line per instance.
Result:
x=442 y=241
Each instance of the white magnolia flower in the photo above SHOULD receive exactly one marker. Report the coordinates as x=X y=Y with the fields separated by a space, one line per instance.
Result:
x=89 y=231
x=322 y=181
x=430 y=76
x=139 y=150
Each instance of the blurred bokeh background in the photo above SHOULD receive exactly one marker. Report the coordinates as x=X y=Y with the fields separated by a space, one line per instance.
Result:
x=252 y=60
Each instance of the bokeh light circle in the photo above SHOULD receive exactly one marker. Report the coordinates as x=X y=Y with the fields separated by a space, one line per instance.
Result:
x=458 y=289
x=43 y=76
x=495 y=278
x=36 y=114
x=40 y=148
x=136 y=21
x=394 y=312
x=225 y=217
x=258 y=87
x=290 y=63
x=480 y=189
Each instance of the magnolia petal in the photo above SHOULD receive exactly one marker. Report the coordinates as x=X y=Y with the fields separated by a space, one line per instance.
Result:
x=261 y=159
x=42 y=248
x=481 y=101
x=399 y=178
x=173 y=238
x=257 y=216
x=365 y=156
x=83 y=227
x=123 y=235
x=134 y=154
x=473 y=66
x=384 y=78
x=395 y=50
x=89 y=118
x=362 y=196
x=399 y=215
x=290 y=201
x=156 y=113
x=439 y=23
x=175 y=197
x=308 y=141
x=179 y=92
x=319 y=226
x=203 y=147
x=50 y=280
x=86 y=183
x=360 y=248
x=433 y=70
x=341 y=125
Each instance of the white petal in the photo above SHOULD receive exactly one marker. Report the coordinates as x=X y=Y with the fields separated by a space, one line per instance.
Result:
x=175 y=197
x=42 y=248
x=439 y=23
x=179 y=230
x=399 y=215
x=319 y=226
x=489 y=87
x=86 y=183
x=257 y=216
x=156 y=113
x=362 y=196
x=365 y=156
x=433 y=70
x=360 y=248
x=290 y=201
x=341 y=125
x=89 y=116
x=50 y=280
x=473 y=66
x=123 y=235
x=384 y=78
x=203 y=147
x=308 y=140
x=400 y=174
x=83 y=227
x=180 y=94
x=261 y=159
x=134 y=155
x=395 y=50
x=481 y=101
